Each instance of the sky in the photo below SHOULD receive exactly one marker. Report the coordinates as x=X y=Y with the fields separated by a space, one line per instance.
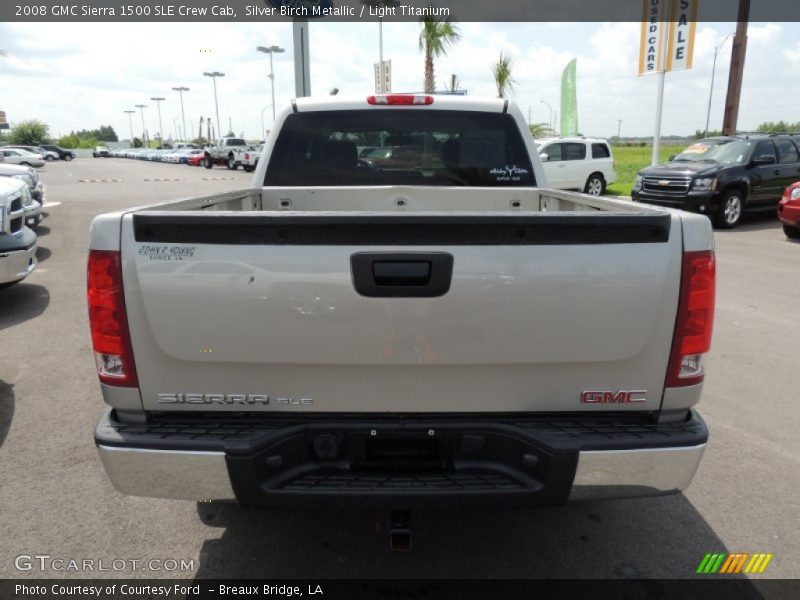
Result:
x=82 y=75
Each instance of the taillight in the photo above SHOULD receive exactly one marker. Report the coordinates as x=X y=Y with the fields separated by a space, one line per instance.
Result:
x=400 y=99
x=695 y=322
x=108 y=320
x=247 y=156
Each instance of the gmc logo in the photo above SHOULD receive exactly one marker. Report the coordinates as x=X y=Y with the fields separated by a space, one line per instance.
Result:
x=609 y=397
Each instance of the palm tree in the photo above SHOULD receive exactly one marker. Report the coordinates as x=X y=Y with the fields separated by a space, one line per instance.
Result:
x=502 y=75
x=435 y=37
x=540 y=130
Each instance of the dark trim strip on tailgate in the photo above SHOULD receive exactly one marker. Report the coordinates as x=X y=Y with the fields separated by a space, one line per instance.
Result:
x=394 y=230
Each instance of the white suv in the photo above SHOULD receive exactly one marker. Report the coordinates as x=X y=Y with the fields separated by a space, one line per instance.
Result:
x=577 y=163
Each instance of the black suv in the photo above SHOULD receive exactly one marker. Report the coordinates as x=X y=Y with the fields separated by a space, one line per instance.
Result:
x=724 y=176
x=62 y=154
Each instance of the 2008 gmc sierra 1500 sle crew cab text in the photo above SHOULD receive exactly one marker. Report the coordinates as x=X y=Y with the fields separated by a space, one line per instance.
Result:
x=444 y=331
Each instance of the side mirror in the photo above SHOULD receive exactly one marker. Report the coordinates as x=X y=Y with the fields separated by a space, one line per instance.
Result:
x=672 y=157
x=544 y=157
x=765 y=159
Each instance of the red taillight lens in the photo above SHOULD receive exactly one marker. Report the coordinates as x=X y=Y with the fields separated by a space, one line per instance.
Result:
x=695 y=322
x=108 y=320
x=400 y=99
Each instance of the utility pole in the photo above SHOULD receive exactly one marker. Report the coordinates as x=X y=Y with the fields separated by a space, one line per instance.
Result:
x=180 y=90
x=713 y=71
x=160 y=129
x=619 y=128
x=737 y=69
x=302 y=61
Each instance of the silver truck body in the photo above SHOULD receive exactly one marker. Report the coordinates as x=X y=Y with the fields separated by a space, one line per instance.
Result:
x=252 y=305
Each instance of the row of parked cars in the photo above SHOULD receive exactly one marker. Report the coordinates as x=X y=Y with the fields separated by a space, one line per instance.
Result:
x=180 y=155
x=230 y=152
x=34 y=156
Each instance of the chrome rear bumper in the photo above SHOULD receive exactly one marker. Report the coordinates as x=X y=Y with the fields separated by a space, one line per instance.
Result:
x=521 y=464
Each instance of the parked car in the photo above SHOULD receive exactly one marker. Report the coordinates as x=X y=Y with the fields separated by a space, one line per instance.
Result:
x=17 y=242
x=736 y=174
x=15 y=156
x=196 y=160
x=382 y=338
x=101 y=152
x=189 y=153
x=578 y=163
x=45 y=154
x=789 y=211
x=35 y=187
x=61 y=152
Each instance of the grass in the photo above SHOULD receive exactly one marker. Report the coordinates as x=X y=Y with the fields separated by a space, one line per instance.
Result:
x=630 y=160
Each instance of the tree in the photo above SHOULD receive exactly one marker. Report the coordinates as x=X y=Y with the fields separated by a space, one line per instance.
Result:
x=435 y=37
x=136 y=142
x=502 y=75
x=30 y=133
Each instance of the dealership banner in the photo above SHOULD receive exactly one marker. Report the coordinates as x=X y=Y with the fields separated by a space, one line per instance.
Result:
x=569 y=100
x=667 y=35
x=683 y=25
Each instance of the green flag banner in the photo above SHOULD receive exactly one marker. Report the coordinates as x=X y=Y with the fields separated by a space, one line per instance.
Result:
x=569 y=100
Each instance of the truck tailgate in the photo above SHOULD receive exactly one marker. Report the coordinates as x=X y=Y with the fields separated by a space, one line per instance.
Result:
x=349 y=312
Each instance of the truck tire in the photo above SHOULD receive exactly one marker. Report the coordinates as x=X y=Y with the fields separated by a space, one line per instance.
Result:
x=232 y=166
x=49 y=158
x=792 y=232
x=729 y=212
x=208 y=162
x=9 y=284
x=248 y=168
x=595 y=185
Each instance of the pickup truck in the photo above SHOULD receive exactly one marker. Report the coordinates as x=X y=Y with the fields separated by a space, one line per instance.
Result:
x=247 y=157
x=35 y=187
x=447 y=333
x=223 y=152
x=17 y=242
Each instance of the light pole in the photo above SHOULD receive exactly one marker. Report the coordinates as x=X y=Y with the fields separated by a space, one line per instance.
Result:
x=180 y=90
x=550 y=122
x=271 y=50
x=713 y=71
x=619 y=128
x=141 y=108
x=130 y=122
x=263 y=127
x=214 y=75
x=158 y=101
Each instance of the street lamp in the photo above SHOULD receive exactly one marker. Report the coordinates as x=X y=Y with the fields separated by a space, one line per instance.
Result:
x=180 y=90
x=130 y=122
x=263 y=128
x=550 y=122
x=713 y=70
x=214 y=75
x=158 y=102
x=271 y=50
x=141 y=108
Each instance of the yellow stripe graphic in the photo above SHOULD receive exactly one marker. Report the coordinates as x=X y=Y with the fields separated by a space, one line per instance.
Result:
x=767 y=558
x=749 y=566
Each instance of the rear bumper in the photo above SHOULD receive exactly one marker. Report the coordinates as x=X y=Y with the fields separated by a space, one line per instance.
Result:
x=401 y=462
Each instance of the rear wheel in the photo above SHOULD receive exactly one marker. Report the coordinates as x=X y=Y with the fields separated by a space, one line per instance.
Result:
x=729 y=213
x=248 y=168
x=232 y=166
x=208 y=162
x=595 y=185
x=792 y=232
x=68 y=157
x=48 y=158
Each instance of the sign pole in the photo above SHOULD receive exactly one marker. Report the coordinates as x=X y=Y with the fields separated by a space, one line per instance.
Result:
x=302 y=63
x=662 y=75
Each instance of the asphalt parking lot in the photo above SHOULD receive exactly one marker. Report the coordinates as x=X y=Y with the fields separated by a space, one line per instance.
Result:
x=57 y=501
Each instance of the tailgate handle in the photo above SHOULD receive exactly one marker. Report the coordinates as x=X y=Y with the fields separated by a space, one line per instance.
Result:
x=402 y=274
x=396 y=272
